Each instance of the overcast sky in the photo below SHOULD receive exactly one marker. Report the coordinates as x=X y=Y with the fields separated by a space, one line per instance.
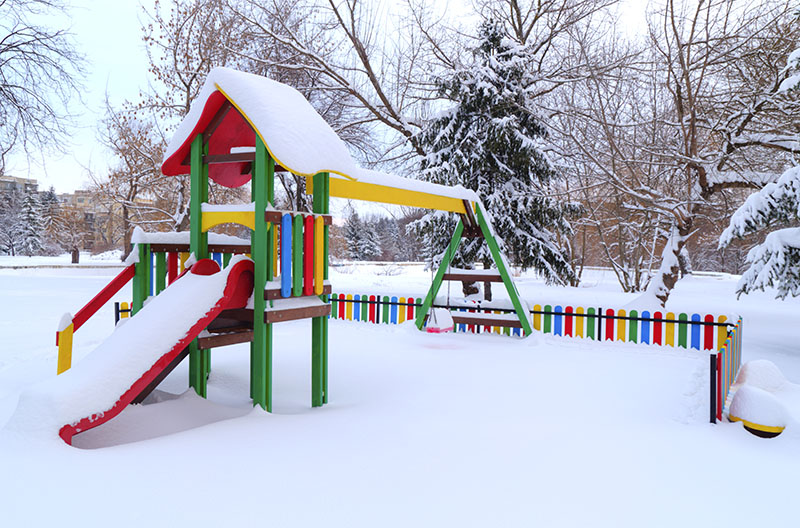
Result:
x=109 y=34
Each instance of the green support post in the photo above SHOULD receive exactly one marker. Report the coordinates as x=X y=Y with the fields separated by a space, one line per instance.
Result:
x=226 y=259
x=319 y=325
x=161 y=272
x=437 y=280
x=199 y=360
x=141 y=279
x=494 y=249
x=262 y=186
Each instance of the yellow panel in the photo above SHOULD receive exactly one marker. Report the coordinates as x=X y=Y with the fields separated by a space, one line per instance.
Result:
x=621 y=326
x=537 y=317
x=349 y=307
x=401 y=311
x=579 y=322
x=65 y=349
x=215 y=218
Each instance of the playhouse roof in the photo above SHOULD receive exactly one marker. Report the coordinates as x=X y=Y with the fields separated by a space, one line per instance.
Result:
x=296 y=136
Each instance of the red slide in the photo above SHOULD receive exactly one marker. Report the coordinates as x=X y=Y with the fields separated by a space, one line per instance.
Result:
x=237 y=290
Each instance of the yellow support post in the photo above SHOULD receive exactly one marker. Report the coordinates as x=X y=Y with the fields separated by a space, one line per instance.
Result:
x=65 y=348
x=621 y=326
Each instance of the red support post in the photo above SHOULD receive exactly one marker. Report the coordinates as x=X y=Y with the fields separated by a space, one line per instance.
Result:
x=172 y=267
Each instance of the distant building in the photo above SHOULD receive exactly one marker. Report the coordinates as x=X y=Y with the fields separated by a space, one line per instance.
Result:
x=12 y=183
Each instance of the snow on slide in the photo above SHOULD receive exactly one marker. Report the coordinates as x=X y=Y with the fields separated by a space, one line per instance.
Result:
x=102 y=384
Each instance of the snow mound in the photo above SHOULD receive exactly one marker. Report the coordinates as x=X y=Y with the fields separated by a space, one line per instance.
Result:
x=758 y=406
x=440 y=320
x=762 y=374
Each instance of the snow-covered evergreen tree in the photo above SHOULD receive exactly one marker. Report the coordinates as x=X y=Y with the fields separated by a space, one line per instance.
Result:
x=370 y=244
x=31 y=225
x=10 y=223
x=354 y=235
x=489 y=141
x=776 y=261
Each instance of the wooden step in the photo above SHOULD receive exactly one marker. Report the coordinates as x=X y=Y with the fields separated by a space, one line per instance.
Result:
x=230 y=338
x=490 y=275
x=296 y=308
x=505 y=320
x=283 y=310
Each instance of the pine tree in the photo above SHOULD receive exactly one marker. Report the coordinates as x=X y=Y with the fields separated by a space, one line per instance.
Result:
x=10 y=222
x=31 y=225
x=776 y=261
x=489 y=141
x=370 y=246
x=354 y=234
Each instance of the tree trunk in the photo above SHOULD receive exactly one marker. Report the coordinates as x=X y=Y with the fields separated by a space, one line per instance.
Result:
x=669 y=272
x=76 y=255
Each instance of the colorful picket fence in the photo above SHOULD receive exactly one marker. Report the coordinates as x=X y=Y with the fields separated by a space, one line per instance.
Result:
x=376 y=309
x=724 y=366
x=696 y=331
x=700 y=332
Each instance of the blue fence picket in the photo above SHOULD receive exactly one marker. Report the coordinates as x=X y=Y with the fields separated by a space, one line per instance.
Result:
x=696 y=331
x=356 y=307
x=645 y=337
x=394 y=310
x=557 y=320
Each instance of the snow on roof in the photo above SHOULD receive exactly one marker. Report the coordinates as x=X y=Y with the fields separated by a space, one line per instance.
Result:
x=296 y=136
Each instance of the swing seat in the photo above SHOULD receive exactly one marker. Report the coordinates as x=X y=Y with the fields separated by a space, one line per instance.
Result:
x=440 y=321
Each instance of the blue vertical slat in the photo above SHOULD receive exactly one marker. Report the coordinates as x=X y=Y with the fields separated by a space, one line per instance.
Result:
x=393 y=311
x=217 y=258
x=286 y=255
x=557 y=320
x=696 y=331
x=645 y=337
x=356 y=307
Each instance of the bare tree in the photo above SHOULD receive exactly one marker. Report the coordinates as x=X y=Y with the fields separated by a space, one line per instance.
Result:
x=39 y=72
x=691 y=121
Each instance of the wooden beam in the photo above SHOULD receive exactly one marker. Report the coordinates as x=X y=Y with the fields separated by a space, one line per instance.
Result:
x=477 y=319
x=238 y=157
x=274 y=294
x=212 y=248
x=293 y=314
x=220 y=340
x=217 y=120
x=467 y=276
x=276 y=216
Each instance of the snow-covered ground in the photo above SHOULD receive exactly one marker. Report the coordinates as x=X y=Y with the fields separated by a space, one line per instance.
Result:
x=421 y=429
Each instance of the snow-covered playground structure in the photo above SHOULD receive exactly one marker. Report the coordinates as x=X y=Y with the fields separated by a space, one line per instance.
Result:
x=243 y=128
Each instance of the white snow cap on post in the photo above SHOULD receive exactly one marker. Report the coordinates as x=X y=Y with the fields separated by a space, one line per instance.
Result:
x=66 y=320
